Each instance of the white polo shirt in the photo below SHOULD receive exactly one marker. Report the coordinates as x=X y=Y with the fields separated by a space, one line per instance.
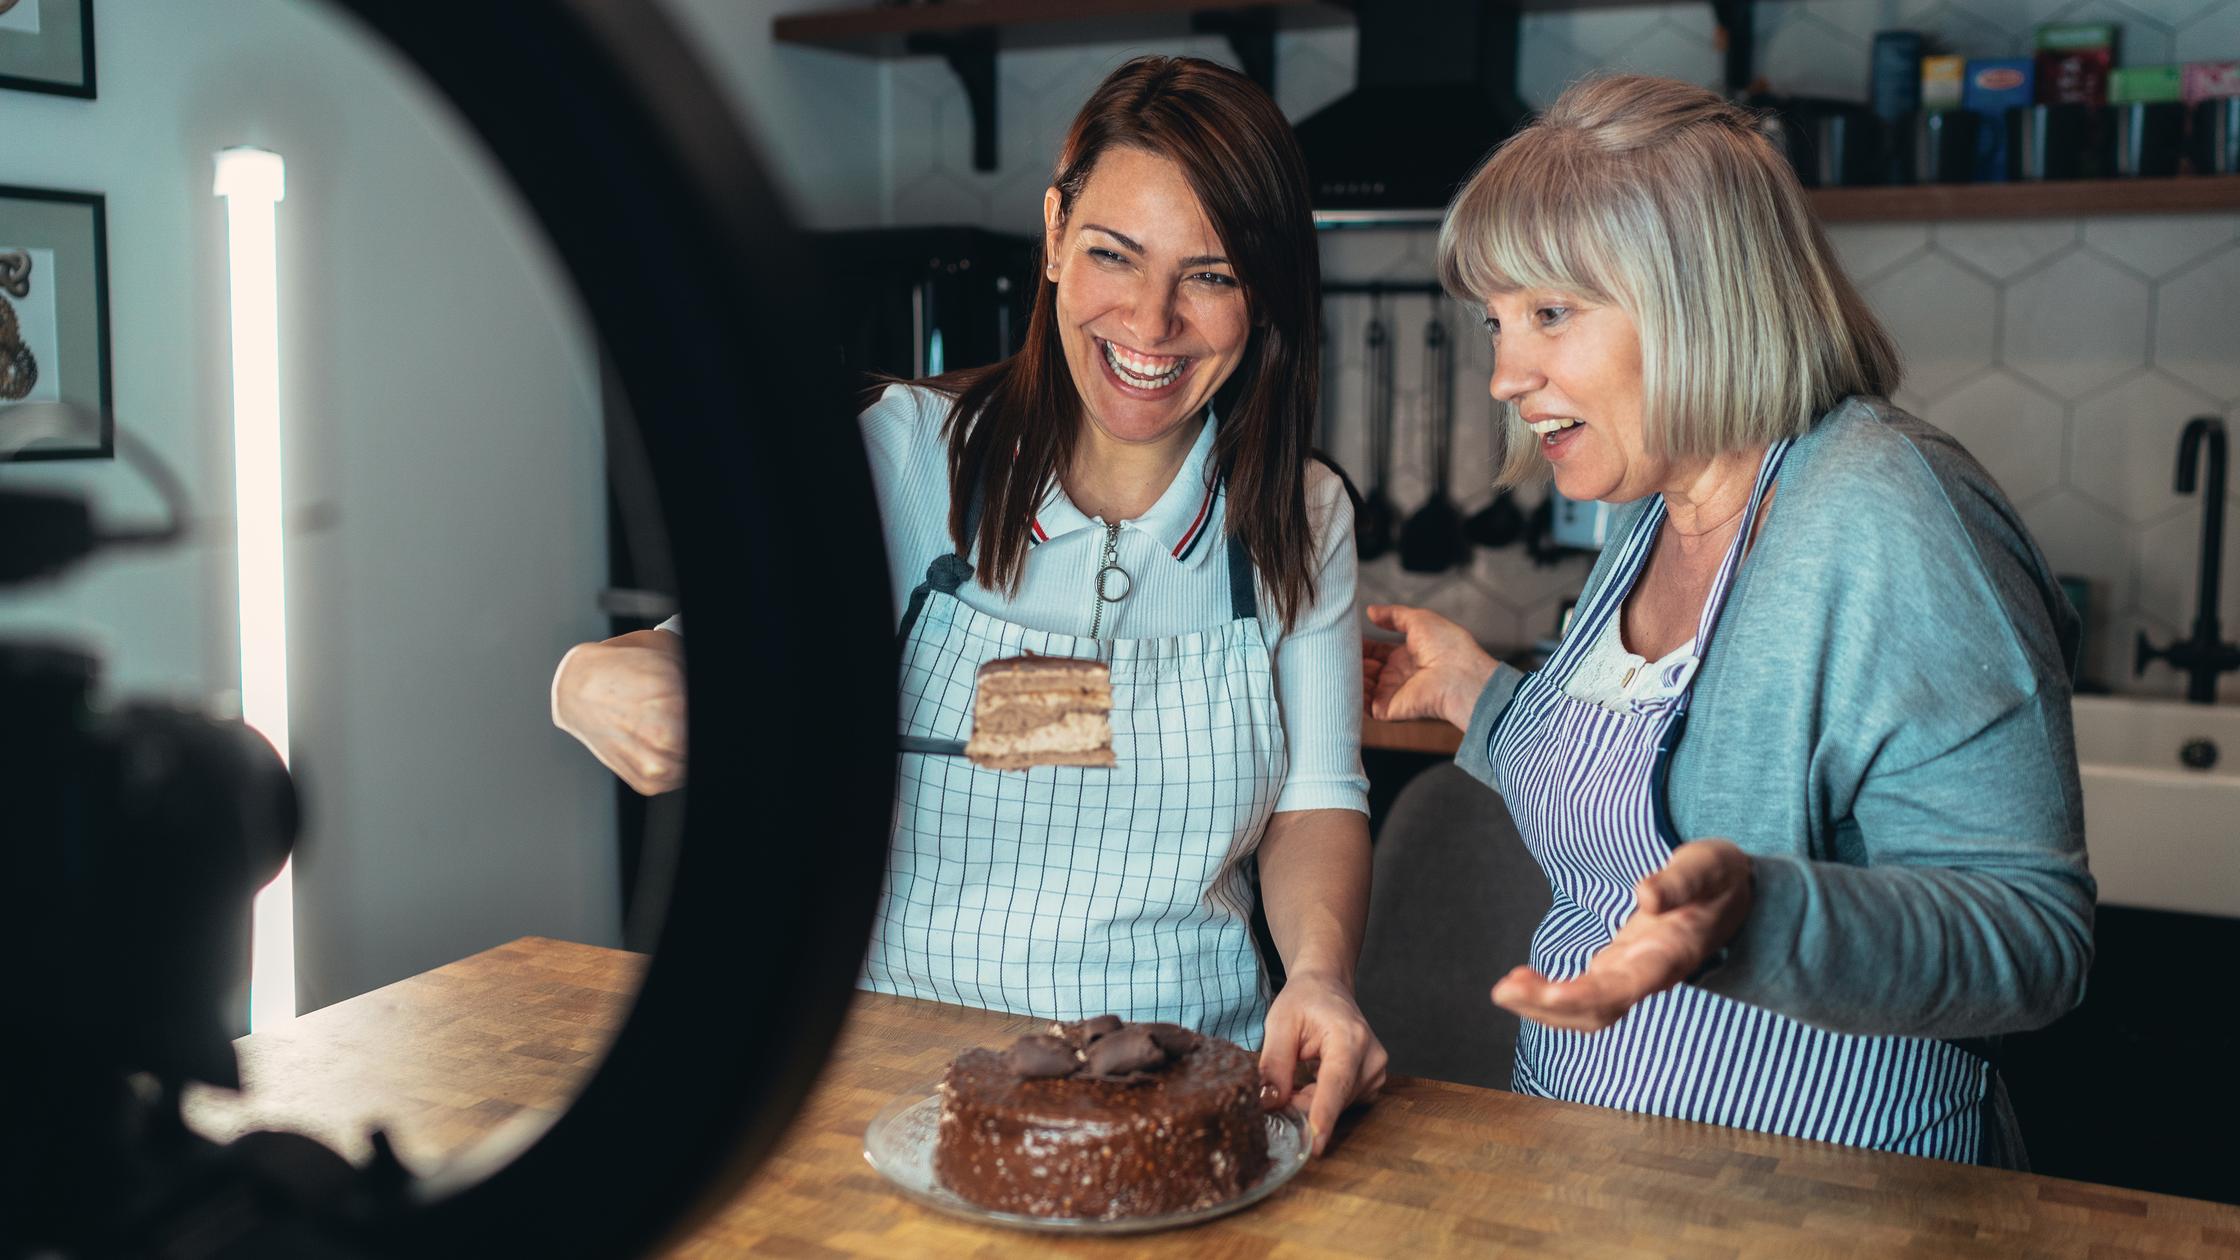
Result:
x=1175 y=552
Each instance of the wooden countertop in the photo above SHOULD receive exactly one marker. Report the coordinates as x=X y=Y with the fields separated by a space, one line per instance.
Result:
x=449 y=1056
x=1427 y=735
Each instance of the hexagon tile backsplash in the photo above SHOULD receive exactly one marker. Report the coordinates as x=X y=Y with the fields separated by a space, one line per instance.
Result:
x=2066 y=353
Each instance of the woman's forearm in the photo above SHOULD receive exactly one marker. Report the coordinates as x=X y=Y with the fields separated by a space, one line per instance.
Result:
x=1314 y=881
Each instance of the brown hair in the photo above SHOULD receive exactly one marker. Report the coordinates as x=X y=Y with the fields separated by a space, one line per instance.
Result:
x=1238 y=155
x=1667 y=201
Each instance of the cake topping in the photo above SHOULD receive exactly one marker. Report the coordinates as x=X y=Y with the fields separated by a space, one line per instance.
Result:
x=1102 y=1025
x=1105 y=1048
x=1124 y=1053
x=1040 y=1056
x=1173 y=1038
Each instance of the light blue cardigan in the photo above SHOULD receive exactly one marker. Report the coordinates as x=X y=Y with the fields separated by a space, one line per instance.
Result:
x=1883 y=723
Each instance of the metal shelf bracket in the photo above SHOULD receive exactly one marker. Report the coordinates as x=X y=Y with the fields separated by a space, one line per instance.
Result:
x=972 y=54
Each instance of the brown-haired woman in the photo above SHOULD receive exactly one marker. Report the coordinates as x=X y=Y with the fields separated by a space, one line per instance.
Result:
x=1133 y=485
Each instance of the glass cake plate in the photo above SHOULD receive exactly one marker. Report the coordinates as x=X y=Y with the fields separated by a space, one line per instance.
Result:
x=899 y=1144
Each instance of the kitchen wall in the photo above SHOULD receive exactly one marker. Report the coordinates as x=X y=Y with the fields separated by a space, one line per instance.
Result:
x=2065 y=352
x=441 y=402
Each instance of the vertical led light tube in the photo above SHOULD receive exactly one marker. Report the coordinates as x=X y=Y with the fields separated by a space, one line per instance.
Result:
x=252 y=181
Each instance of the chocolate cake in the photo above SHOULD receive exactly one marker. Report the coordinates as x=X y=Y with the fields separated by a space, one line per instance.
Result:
x=1102 y=1119
x=1041 y=711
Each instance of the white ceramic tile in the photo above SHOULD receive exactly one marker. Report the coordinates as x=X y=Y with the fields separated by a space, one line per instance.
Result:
x=2075 y=325
x=2004 y=247
x=2081 y=539
x=1943 y=317
x=2016 y=17
x=2013 y=430
x=1310 y=75
x=1605 y=33
x=2214 y=35
x=2124 y=444
x=2197 y=324
x=2180 y=12
x=1388 y=583
x=1511 y=574
x=2158 y=244
x=1364 y=254
x=1869 y=249
x=1546 y=66
x=1808 y=57
x=1691 y=19
x=1488 y=619
x=913 y=120
x=1968 y=34
x=1858 y=19
x=1668 y=54
x=940 y=198
x=2168 y=561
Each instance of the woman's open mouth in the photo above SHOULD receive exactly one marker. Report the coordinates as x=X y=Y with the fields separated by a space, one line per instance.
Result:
x=1145 y=375
x=1556 y=433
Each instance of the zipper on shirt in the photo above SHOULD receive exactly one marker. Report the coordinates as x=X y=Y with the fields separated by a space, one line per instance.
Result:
x=1110 y=563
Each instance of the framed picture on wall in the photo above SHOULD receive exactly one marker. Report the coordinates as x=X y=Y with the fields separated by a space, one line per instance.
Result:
x=47 y=46
x=54 y=322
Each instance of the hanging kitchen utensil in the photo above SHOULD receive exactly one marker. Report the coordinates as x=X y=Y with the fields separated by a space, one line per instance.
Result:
x=1431 y=540
x=1497 y=524
x=1372 y=526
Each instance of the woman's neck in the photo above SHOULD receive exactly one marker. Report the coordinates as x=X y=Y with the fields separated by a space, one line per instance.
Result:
x=1706 y=498
x=1120 y=481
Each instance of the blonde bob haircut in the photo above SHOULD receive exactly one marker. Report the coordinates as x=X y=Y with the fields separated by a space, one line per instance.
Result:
x=1665 y=201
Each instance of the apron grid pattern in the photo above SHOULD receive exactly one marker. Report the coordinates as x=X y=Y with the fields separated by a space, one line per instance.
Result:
x=1065 y=892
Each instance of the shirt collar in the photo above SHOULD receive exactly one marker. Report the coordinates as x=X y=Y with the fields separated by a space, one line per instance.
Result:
x=1179 y=521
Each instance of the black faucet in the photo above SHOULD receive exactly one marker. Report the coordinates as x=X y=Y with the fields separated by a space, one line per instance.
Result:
x=2205 y=655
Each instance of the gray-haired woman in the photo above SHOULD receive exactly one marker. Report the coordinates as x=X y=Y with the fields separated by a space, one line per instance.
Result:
x=1814 y=914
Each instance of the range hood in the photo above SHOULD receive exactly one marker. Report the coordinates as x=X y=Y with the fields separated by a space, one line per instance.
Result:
x=1435 y=88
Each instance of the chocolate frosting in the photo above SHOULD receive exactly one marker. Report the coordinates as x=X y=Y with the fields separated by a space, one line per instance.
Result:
x=1038 y=1057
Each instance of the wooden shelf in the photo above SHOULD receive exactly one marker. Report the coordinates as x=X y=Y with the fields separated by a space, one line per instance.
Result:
x=2194 y=195
x=887 y=31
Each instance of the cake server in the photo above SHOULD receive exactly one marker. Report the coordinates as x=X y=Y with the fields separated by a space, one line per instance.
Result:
x=930 y=747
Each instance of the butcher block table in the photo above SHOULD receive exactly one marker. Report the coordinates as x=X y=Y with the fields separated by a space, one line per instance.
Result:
x=445 y=1057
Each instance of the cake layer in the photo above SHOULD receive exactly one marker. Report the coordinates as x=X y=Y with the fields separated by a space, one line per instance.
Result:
x=1041 y=710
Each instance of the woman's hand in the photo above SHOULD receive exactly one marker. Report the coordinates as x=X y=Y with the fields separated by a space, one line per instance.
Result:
x=624 y=699
x=1683 y=914
x=1437 y=672
x=1315 y=1018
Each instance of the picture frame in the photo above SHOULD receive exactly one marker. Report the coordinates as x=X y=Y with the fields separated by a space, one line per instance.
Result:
x=54 y=314
x=47 y=46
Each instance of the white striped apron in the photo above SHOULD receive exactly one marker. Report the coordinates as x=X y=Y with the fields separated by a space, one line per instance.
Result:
x=1065 y=892
x=1587 y=788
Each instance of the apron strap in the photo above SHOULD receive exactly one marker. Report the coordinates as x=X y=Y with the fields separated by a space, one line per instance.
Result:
x=1716 y=600
x=948 y=573
x=1244 y=596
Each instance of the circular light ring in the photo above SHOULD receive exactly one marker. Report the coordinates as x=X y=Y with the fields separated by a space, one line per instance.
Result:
x=632 y=163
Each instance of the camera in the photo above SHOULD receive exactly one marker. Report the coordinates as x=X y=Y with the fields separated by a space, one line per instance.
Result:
x=136 y=837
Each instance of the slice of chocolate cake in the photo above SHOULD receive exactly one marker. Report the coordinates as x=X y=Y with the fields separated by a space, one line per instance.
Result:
x=1041 y=711
x=1101 y=1119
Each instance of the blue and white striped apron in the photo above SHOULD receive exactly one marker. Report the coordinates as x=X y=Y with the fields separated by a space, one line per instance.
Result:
x=1065 y=892
x=1587 y=788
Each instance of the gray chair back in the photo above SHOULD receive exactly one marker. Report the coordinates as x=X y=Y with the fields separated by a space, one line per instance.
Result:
x=1455 y=899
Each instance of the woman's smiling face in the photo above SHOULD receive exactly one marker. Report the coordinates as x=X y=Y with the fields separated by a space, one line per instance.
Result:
x=1150 y=311
x=1572 y=369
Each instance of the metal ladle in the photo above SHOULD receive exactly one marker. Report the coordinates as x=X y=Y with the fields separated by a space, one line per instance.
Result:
x=1372 y=525
x=1432 y=539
